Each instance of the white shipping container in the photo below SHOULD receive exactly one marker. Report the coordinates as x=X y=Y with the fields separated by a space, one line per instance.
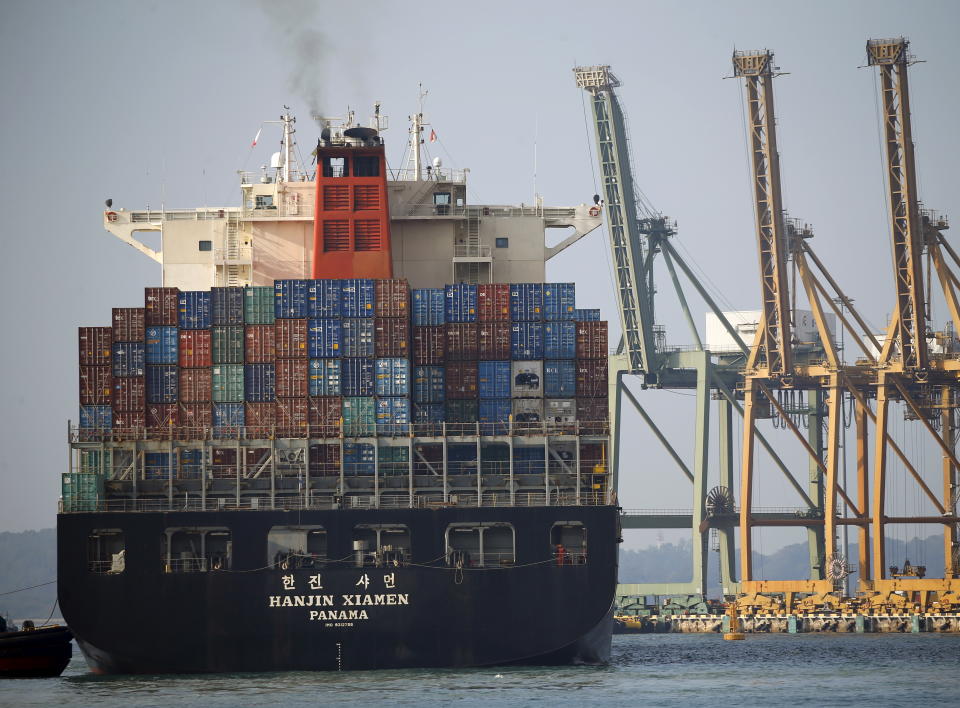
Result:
x=526 y=379
x=560 y=410
x=527 y=410
x=747 y=322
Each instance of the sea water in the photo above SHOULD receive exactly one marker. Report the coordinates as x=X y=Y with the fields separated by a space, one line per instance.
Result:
x=646 y=670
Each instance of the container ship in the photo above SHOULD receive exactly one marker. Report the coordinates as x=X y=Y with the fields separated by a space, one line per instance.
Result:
x=354 y=429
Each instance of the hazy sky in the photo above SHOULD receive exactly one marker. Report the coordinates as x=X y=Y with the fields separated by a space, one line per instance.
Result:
x=156 y=103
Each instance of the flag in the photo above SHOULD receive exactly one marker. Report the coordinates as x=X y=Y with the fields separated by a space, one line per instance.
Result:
x=256 y=137
x=433 y=135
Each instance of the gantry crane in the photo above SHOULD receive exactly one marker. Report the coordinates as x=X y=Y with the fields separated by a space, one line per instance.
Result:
x=906 y=371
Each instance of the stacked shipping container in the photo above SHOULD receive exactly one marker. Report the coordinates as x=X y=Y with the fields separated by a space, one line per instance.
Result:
x=310 y=356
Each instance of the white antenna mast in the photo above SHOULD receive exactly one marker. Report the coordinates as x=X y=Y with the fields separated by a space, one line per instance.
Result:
x=416 y=130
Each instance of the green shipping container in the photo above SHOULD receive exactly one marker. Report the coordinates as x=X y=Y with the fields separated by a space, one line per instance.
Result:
x=258 y=305
x=464 y=411
x=359 y=416
x=228 y=383
x=394 y=461
x=81 y=492
x=227 y=345
x=96 y=462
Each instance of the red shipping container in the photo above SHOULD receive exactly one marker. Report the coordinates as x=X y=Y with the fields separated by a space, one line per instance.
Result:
x=196 y=419
x=292 y=417
x=130 y=422
x=462 y=380
x=493 y=302
x=129 y=394
x=592 y=415
x=591 y=340
x=96 y=385
x=494 y=340
x=224 y=462
x=324 y=460
x=324 y=416
x=160 y=306
x=163 y=417
x=196 y=385
x=291 y=377
x=462 y=341
x=258 y=344
x=260 y=419
x=392 y=298
x=290 y=338
x=391 y=336
x=429 y=345
x=195 y=348
x=592 y=378
x=95 y=345
x=128 y=324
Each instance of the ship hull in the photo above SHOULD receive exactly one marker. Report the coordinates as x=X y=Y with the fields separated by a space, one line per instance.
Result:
x=341 y=615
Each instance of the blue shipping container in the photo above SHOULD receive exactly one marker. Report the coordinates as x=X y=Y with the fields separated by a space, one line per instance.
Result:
x=393 y=415
x=586 y=315
x=290 y=299
x=357 y=296
x=461 y=303
x=156 y=465
x=494 y=379
x=560 y=378
x=526 y=341
x=128 y=358
x=325 y=377
x=259 y=383
x=323 y=298
x=96 y=417
x=162 y=384
x=429 y=385
x=195 y=309
x=494 y=414
x=191 y=463
x=392 y=376
x=356 y=377
x=560 y=340
x=161 y=345
x=323 y=338
x=429 y=413
x=559 y=301
x=359 y=459
x=227 y=306
x=528 y=460
x=526 y=302
x=428 y=306
x=356 y=337
x=226 y=418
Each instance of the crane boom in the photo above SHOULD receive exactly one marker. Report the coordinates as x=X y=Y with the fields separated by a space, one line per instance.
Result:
x=908 y=329
x=772 y=348
x=626 y=246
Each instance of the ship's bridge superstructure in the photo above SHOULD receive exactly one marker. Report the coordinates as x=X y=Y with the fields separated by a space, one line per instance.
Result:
x=437 y=236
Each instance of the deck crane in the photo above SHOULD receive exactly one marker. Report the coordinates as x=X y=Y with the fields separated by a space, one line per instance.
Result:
x=907 y=371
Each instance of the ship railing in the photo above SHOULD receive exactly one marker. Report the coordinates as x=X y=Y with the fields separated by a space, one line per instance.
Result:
x=433 y=174
x=475 y=559
x=151 y=216
x=471 y=251
x=222 y=434
x=570 y=557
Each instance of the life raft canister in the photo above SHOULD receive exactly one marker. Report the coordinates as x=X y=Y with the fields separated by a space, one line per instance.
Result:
x=111 y=216
x=594 y=211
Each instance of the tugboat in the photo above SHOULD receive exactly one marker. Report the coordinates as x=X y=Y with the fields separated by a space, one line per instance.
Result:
x=34 y=652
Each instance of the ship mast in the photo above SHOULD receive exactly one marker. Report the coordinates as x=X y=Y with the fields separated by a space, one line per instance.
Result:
x=416 y=130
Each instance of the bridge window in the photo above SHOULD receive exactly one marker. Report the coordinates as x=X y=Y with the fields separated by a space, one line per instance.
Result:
x=335 y=167
x=441 y=201
x=480 y=545
x=196 y=550
x=568 y=541
x=205 y=245
x=381 y=545
x=366 y=166
x=106 y=551
x=292 y=547
x=264 y=201
x=502 y=242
